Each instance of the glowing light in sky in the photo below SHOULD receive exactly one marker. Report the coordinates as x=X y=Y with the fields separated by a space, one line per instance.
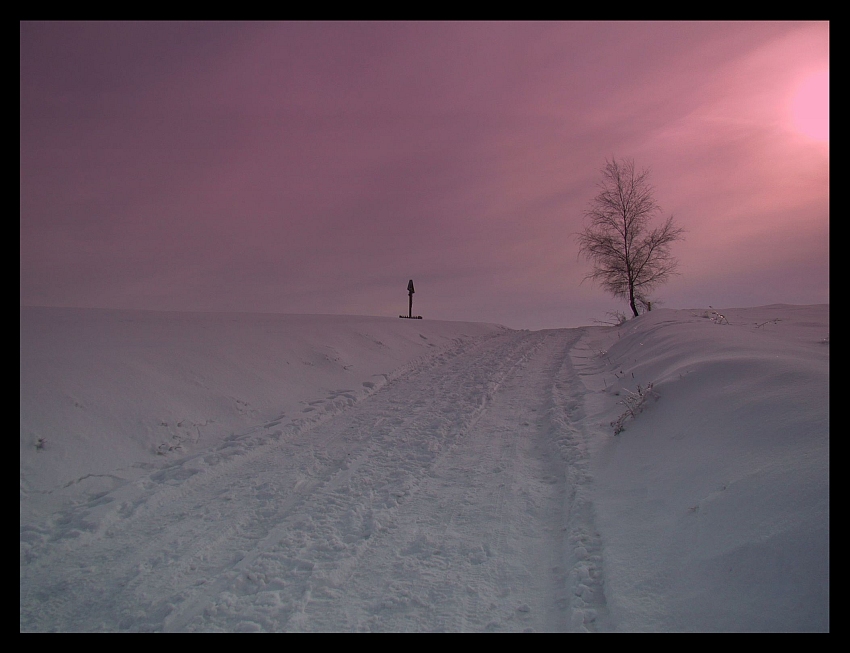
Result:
x=810 y=106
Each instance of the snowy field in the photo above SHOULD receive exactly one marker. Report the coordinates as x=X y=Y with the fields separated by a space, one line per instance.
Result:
x=294 y=473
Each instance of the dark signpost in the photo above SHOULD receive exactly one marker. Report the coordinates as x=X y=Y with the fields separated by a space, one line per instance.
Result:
x=410 y=292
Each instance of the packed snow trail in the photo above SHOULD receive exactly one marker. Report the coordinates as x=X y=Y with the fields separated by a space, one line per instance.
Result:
x=448 y=500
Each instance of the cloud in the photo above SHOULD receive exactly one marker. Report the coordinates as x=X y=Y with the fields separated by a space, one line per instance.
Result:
x=292 y=166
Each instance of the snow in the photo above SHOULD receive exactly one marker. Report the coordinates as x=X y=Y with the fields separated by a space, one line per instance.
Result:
x=234 y=472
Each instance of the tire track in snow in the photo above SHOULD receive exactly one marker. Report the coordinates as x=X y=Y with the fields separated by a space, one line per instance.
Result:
x=410 y=510
x=583 y=562
x=187 y=515
x=420 y=431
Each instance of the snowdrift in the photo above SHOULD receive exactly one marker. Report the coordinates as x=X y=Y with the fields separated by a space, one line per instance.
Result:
x=713 y=503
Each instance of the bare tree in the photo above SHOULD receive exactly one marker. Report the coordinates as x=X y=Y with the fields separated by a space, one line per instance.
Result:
x=629 y=257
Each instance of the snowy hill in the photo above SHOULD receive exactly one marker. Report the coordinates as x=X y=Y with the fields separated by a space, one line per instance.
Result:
x=238 y=472
x=109 y=393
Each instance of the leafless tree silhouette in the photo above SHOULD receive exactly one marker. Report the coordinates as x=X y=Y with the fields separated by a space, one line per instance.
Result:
x=629 y=257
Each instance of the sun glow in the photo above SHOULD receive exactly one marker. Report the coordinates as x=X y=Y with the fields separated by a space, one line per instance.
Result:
x=810 y=106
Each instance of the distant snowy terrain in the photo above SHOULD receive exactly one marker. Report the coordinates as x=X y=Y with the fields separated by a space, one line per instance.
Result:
x=241 y=472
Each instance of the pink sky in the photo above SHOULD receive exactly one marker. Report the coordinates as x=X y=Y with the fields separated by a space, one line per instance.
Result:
x=316 y=167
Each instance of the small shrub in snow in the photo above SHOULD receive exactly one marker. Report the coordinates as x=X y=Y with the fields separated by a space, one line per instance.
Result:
x=614 y=318
x=714 y=316
x=634 y=403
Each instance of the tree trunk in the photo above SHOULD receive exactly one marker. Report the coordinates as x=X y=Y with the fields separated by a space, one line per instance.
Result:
x=632 y=300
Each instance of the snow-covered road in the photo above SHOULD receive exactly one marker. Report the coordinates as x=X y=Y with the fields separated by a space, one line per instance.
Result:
x=450 y=499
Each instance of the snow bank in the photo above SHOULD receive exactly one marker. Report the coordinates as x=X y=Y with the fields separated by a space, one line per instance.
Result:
x=713 y=504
